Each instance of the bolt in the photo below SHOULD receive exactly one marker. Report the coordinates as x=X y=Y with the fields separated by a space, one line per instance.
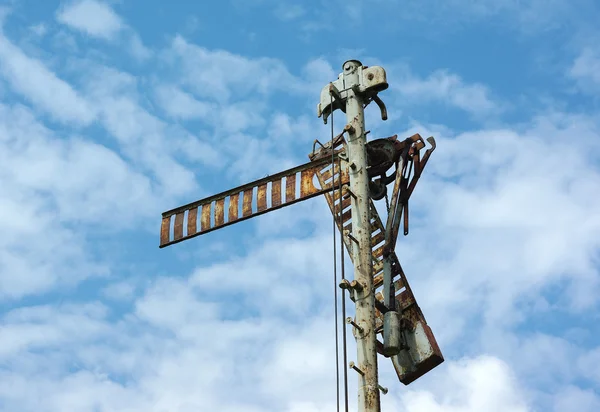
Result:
x=382 y=389
x=347 y=192
x=345 y=284
x=351 y=322
x=349 y=128
x=353 y=366
x=356 y=285
x=352 y=238
x=370 y=76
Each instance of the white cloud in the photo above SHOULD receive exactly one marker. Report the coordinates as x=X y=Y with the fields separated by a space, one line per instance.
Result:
x=471 y=385
x=42 y=189
x=525 y=16
x=97 y=19
x=491 y=205
x=286 y=267
x=51 y=174
x=224 y=76
x=39 y=29
x=137 y=48
x=318 y=73
x=586 y=365
x=120 y=291
x=141 y=137
x=269 y=360
x=31 y=328
x=289 y=11
x=528 y=17
x=182 y=105
x=586 y=69
x=572 y=397
x=42 y=87
x=66 y=168
x=442 y=86
x=92 y=17
x=528 y=352
x=64 y=41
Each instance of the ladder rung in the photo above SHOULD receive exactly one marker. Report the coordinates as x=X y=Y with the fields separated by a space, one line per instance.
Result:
x=326 y=173
x=377 y=253
x=377 y=239
x=378 y=267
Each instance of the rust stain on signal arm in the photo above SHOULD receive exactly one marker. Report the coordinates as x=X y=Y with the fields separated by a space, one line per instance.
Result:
x=411 y=316
x=307 y=190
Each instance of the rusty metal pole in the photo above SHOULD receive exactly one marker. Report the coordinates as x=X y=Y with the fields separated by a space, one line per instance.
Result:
x=368 y=387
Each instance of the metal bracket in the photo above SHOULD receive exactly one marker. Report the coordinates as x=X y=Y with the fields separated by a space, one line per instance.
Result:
x=372 y=80
x=404 y=185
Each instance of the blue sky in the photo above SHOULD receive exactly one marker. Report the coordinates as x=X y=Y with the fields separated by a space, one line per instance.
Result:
x=114 y=111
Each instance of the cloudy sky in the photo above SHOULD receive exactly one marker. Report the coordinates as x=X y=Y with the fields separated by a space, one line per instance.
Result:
x=114 y=111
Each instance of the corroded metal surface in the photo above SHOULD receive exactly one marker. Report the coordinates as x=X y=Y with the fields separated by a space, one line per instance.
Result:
x=377 y=237
x=425 y=353
x=223 y=209
x=410 y=163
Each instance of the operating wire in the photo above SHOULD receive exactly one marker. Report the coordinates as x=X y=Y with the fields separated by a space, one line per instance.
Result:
x=339 y=214
x=343 y=270
x=335 y=285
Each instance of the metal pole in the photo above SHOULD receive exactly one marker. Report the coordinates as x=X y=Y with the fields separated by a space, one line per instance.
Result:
x=368 y=387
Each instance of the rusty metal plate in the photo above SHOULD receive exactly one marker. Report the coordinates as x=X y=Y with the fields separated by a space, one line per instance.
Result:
x=276 y=193
x=192 y=221
x=247 y=202
x=254 y=201
x=290 y=188
x=205 y=217
x=423 y=353
x=262 y=198
x=374 y=78
x=219 y=212
x=164 y=230
x=178 y=229
x=232 y=214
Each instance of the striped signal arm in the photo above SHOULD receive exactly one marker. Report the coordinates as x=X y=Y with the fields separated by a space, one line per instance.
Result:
x=252 y=199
